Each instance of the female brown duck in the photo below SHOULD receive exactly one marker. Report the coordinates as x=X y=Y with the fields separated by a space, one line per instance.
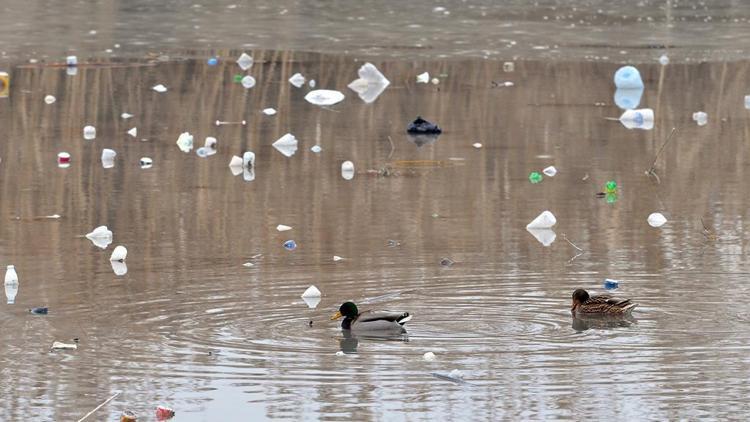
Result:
x=583 y=304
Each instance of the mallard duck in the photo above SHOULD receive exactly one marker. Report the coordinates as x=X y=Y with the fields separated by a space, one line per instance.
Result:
x=370 y=320
x=600 y=305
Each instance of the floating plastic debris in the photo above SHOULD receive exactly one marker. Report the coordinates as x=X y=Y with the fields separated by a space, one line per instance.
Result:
x=101 y=237
x=535 y=177
x=159 y=88
x=371 y=83
x=628 y=99
x=544 y=236
x=133 y=132
x=241 y=122
x=476 y=145
x=316 y=149
x=269 y=111
x=311 y=291
x=283 y=228
x=324 y=97
x=509 y=67
x=235 y=165
x=245 y=61
x=146 y=162
x=435 y=81
x=610 y=284
x=39 y=310
x=628 y=77
x=347 y=170
x=312 y=83
x=656 y=219
x=340 y=353
x=638 y=119
x=126 y=116
x=545 y=220
x=290 y=245
x=71 y=71
x=71 y=61
x=128 y=416
x=208 y=148
x=119 y=254
x=185 y=142
x=248 y=264
x=610 y=187
x=747 y=102
x=337 y=258
x=58 y=345
x=286 y=145
x=447 y=262
x=89 y=132
x=11 y=284
x=63 y=160
x=421 y=126
x=550 y=171
x=297 y=80
x=454 y=376
x=248 y=82
x=700 y=117
x=423 y=78
x=663 y=60
x=429 y=356
x=50 y=99
x=163 y=413
x=212 y=61
x=108 y=158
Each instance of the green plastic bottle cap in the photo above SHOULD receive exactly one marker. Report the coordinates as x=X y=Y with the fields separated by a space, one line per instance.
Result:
x=610 y=186
x=535 y=177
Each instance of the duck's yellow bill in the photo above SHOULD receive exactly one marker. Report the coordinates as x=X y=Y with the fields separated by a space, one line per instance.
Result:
x=337 y=315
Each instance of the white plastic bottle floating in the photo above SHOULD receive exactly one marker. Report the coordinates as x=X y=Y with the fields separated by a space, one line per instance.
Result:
x=700 y=117
x=108 y=158
x=638 y=119
x=297 y=80
x=656 y=219
x=248 y=82
x=11 y=284
x=423 y=78
x=347 y=170
x=545 y=220
x=628 y=77
x=89 y=133
x=544 y=236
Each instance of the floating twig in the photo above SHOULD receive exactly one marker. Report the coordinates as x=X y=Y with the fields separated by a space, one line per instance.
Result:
x=571 y=243
x=100 y=406
x=652 y=170
x=393 y=147
x=708 y=233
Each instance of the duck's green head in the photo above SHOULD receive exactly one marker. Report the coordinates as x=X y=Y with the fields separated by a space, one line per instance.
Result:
x=347 y=309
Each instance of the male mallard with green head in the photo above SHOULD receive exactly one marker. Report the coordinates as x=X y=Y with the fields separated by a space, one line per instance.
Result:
x=600 y=305
x=370 y=320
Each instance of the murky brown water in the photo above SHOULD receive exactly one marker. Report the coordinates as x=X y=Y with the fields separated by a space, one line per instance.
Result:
x=189 y=326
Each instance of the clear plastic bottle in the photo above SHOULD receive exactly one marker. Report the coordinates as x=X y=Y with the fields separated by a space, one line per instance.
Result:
x=11 y=284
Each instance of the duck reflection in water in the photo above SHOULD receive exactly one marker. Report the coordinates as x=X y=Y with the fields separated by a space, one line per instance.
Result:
x=349 y=340
x=602 y=322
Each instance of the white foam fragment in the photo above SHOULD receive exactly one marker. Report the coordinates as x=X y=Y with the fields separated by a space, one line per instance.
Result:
x=269 y=111
x=119 y=254
x=311 y=291
x=544 y=236
x=58 y=345
x=429 y=356
x=126 y=116
x=550 y=171
x=423 y=78
x=160 y=88
x=185 y=142
x=545 y=220
x=286 y=145
x=324 y=97
x=245 y=61
x=283 y=228
x=371 y=83
x=337 y=258
x=656 y=219
x=297 y=80
x=133 y=132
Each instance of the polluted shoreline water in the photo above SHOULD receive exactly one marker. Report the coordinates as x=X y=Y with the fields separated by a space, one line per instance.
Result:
x=185 y=322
